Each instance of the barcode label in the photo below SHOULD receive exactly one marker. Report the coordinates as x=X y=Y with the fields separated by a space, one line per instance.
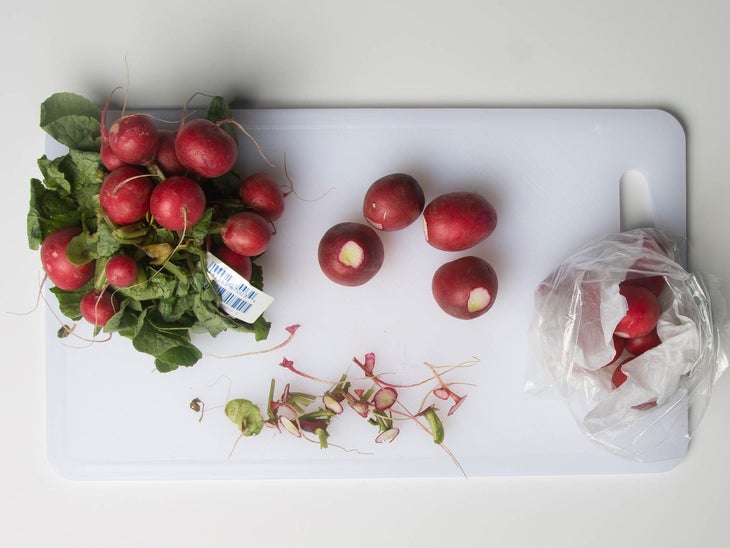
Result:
x=239 y=298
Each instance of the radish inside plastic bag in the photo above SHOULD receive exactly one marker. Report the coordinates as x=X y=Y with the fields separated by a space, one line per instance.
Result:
x=653 y=413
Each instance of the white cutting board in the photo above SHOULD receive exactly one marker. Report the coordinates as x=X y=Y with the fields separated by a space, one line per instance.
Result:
x=553 y=176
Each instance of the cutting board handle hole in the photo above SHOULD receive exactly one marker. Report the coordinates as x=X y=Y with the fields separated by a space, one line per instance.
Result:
x=635 y=203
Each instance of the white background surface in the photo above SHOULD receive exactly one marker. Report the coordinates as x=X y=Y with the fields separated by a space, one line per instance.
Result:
x=521 y=53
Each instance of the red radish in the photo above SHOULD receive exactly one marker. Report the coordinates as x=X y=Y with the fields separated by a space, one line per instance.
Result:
x=97 y=307
x=205 y=149
x=262 y=193
x=246 y=233
x=166 y=158
x=133 y=139
x=121 y=270
x=458 y=220
x=655 y=284
x=619 y=377
x=125 y=195
x=62 y=272
x=385 y=398
x=642 y=314
x=239 y=263
x=350 y=253
x=465 y=288
x=393 y=202
x=619 y=343
x=639 y=345
x=177 y=203
x=108 y=158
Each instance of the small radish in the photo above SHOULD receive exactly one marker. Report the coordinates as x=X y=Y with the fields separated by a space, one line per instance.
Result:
x=134 y=139
x=125 y=194
x=177 y=203
x=239 y=263
x=205 y=149
x=458 y=220
x=108 y=158
x=642 y=314
x=166 y=158
x=98 y=306
x=62 y=272
x=639 y=345
x=121 y=270
x=465 y=288
x=246 y=233
x=350 y=253
x=393 y=202
x=262 y=193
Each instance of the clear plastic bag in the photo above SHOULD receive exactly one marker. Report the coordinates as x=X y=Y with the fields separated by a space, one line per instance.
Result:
x=650 y=416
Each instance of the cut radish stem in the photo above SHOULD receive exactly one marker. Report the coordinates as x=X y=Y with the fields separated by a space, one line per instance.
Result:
x=331 y=403
x=387 y=436
x=350 y=253
x=642 y=314
x=458 y=220
x=385 y=398
x=465 y=288
x=393 y=202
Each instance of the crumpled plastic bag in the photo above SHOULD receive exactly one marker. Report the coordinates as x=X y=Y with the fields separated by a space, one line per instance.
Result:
x=652 y=415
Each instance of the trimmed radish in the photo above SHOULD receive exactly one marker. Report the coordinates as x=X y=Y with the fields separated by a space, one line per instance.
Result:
x=639 y=345
x=177 y=203
x=133 y=139
x=350 y=253
x=247 y=233
x=393 y=202
x=205 y=149
x=262 y=193
x=642 y=314
x=98 y=306
x=62 y=272
x=465 y=288
x=458 y=220
x=125 y=195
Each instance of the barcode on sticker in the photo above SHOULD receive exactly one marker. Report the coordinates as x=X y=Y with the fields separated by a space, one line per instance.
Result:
x=239 y=298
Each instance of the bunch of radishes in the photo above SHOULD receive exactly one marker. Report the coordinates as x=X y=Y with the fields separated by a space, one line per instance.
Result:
x=125 y=235
x=352 y=253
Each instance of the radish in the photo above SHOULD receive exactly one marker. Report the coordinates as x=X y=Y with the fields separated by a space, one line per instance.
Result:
x=393 y=202
x=619 y=377
x=465 y=288
x=98 y=306
x=133 y=138
x=246 y=233
x=642 y=314
x=350 y=253
x=166 y=158
x=62 y=272
x=125 y=195
x=655 y=284
x=262 y=193
x=639 y=345
x=619 y=343
x=177 y=203
x=110 y=160
x=240 y=263
x=458 y=220
x=121 y=270
x=205 y=149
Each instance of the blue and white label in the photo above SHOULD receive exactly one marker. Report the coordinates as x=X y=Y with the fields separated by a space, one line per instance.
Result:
x=239 y=298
